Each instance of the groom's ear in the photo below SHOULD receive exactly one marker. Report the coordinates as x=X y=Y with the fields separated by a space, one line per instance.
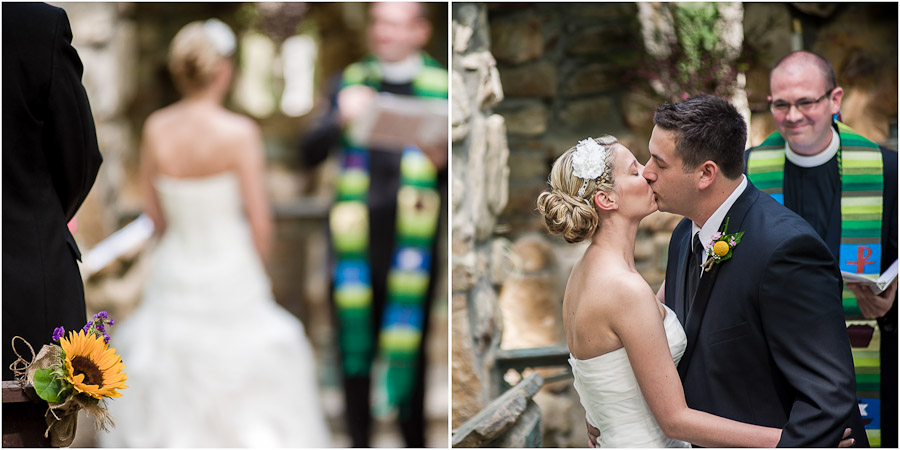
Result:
x=606 y=201
x=708 y=172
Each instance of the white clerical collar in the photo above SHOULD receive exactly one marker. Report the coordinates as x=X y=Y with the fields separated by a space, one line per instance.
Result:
x=819 y=158
x=402 y=71
x=714 y=222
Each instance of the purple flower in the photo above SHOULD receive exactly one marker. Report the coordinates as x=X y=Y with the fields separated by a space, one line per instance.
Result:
x=112 y=322
x=101 y=315
x=101 y=327
x=87 y=327
x=105 y=338
x=58 y=333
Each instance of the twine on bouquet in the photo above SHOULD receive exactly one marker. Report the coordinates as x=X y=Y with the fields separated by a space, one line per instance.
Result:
x=20 y=365
x=61 y=418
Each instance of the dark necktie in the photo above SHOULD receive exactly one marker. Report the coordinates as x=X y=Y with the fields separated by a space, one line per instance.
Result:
x=693 y=273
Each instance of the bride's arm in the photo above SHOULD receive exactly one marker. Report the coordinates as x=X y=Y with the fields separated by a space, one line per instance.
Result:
x=640 y=328
x=251 y=172
x=147 y=172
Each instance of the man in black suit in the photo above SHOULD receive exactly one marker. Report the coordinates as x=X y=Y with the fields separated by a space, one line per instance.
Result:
x=766 y=338
x=50 y=161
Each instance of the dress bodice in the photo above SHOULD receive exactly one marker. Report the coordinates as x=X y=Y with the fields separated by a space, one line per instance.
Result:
x=206 y=244
x=200 y=212
x=612 y=399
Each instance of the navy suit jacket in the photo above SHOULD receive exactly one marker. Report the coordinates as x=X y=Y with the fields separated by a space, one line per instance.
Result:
x=767 y=343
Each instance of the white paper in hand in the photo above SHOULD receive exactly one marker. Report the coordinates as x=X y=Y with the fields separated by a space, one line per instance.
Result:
x=877 y=286
x=394 y=122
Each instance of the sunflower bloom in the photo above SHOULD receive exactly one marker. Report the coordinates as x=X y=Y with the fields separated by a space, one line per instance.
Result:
x=91 y=366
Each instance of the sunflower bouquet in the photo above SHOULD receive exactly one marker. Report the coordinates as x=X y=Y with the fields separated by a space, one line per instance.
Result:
x=78 y=373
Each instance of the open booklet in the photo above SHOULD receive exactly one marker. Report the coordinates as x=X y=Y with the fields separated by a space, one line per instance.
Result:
x=877 y=286
x=394 y=122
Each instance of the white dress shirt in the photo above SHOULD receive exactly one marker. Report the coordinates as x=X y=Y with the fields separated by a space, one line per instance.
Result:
x=714 y=222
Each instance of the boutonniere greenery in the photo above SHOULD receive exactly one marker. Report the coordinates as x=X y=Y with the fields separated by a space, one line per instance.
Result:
x=722 y=246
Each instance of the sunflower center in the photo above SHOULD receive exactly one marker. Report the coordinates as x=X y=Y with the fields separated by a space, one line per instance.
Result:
x=92 y=374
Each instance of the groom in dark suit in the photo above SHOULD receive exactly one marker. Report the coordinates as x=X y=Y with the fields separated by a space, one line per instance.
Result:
x=50 y=161
x=767 y=343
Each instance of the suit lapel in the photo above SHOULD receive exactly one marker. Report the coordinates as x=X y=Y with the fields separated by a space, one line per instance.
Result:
x=707 y=280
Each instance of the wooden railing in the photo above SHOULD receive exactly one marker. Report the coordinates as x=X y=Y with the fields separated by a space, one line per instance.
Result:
x=530 y=358
x=23 y=417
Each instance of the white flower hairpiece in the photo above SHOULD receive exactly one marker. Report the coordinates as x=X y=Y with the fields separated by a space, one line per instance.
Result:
x=588 y=162
x=221 y=36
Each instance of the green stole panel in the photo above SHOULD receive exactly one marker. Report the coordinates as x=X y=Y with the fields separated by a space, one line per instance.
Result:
x=418 y=210
x=862 y=183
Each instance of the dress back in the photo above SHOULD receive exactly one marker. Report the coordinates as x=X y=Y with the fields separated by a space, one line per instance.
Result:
x=207 y=246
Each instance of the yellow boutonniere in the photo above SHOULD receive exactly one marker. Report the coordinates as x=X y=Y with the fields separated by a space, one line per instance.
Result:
x=722 y=246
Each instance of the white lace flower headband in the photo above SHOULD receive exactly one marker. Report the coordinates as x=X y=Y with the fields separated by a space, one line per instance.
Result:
x=221 y=36
x=588 y=162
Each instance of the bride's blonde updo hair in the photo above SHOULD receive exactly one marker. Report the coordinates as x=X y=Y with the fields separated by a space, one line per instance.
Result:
x=565 y=212
x=196 y=52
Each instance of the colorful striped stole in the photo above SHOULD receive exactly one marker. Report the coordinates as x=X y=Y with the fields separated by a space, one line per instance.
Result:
x=418 y=209
x=862 y=186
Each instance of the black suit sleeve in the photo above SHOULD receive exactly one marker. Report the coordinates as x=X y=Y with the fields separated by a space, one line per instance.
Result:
x=325 y=135
x=70 y=140
x=803 y=321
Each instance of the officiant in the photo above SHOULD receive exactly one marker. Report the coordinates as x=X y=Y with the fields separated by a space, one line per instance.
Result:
x=383 y=223
x=845 y=186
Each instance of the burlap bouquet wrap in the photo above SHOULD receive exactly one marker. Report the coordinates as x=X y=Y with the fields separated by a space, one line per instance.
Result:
x=61 y=418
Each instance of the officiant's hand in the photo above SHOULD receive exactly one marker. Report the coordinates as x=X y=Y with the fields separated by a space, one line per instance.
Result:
x=353 y=101
x=435 y=150
x=873 y=306
x=593 y=435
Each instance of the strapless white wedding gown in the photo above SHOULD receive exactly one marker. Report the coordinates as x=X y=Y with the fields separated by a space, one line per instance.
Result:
x=212 y=359
x=612 y=399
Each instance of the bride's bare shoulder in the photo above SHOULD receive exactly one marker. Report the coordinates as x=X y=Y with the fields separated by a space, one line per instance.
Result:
x=616 y=288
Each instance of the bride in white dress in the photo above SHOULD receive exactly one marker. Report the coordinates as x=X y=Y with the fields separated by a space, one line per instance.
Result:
x=624 y=343
x=212 y=360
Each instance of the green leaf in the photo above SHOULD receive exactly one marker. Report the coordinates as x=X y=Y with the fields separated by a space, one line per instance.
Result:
x=47 y=386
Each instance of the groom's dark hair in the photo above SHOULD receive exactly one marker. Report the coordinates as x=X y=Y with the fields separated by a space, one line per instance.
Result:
x=706 y=128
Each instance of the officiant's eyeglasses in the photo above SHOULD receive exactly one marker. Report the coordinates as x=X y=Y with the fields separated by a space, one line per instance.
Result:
x=803 y=105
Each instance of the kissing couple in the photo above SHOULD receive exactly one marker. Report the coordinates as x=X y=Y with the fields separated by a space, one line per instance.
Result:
x=750 y=310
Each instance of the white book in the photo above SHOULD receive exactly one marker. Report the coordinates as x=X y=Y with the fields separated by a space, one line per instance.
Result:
x=877 y=286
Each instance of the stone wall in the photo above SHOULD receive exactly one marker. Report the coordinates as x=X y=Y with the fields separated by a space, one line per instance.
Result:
x=568 y=73
x=479 y=183
x=562 y=68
